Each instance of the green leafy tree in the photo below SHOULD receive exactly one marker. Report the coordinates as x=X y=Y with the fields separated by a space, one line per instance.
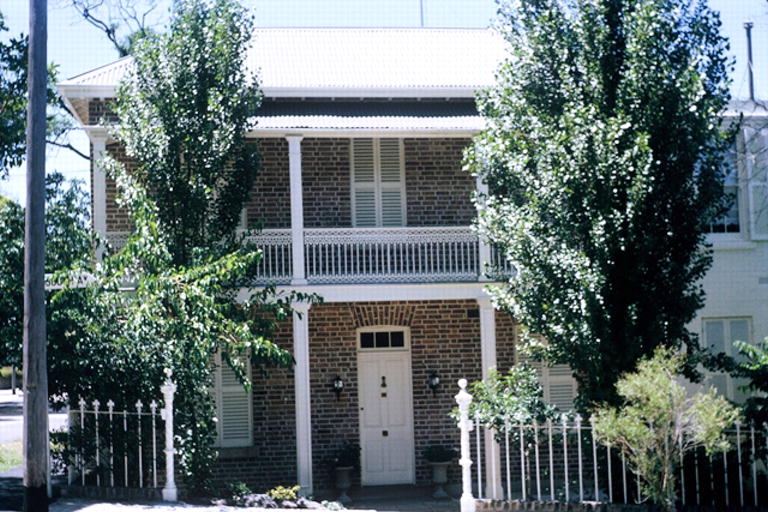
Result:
x=512 y=398
x=168 y=299
x=750 y=364
x=68 y=244
x=658 y=423
x=602 y=156
x=184 y=109
x=13 y=100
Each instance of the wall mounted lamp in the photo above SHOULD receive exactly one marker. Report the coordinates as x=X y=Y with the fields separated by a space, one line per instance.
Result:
x=433 y=382
x=338 y=386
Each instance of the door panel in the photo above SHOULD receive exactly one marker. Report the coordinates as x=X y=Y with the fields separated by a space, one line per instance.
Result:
x=386 y=418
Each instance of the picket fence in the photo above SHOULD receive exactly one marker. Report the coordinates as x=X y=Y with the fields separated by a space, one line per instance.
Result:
x=563 y=462
x=109 y=448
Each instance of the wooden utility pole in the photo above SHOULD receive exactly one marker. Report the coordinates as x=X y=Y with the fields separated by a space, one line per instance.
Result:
x=35 y=367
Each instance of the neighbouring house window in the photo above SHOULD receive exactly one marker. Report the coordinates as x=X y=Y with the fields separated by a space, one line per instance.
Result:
x=756 y=163
x=234 y=407
x=378 y=182
x=382 y=338
x=719 y=335
x=729 y=222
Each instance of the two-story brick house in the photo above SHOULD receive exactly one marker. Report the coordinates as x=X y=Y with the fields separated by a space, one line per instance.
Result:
x=362 y=199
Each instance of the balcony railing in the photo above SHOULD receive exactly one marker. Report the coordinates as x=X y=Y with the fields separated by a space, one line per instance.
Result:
x=370 y=255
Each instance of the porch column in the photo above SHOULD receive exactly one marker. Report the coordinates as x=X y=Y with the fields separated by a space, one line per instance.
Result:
x=303 y=410
x=99 y=177
x=297 y=209
x=484 y=250
x=492 y=468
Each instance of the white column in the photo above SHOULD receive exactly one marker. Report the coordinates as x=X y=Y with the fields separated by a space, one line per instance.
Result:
x=303 y=410
x=492 y=468
x=297 y=209
x=484 y=250
x=168 y=389
x=99 y=177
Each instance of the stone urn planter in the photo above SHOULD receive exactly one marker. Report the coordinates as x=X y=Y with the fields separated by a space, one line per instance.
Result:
x=439 y=458
x=440 y=478
x=343 y=482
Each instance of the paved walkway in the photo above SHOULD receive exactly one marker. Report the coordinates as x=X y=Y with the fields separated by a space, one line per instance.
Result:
x=11 y=420
x=407 y=505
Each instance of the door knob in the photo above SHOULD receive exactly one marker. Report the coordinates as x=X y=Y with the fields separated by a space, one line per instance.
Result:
x=383 y=381
x=385 y=433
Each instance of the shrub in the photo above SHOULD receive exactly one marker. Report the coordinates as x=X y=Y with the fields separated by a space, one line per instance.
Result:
x=658 y=423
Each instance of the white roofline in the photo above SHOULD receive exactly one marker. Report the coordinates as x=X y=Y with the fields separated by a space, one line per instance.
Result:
x=460 y=133
x=70 y=90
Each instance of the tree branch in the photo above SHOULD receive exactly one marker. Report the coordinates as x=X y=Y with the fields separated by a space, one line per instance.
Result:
x=67 y=145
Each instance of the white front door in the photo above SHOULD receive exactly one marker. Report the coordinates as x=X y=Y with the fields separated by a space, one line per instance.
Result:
x=386 y=416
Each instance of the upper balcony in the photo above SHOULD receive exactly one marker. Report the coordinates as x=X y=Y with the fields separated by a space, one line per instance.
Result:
x=372 y=255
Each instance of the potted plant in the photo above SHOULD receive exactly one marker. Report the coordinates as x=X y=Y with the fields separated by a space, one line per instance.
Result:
x=347 y=459
x=439 y=457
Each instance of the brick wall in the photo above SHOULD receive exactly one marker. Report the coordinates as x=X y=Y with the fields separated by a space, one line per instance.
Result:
x=117 y=217
x=269 y=205
x=99 y=110
x=445 y=337
x=438 y=190
x=325 y=179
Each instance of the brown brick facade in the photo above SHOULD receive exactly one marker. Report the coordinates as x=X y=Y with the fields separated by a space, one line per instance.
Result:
x=445 y=338
x=326 y=186
x=269 y=205
x=438 y=190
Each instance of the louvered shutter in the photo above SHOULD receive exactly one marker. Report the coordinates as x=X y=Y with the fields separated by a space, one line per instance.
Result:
x=363 y=183
x=557 y=382
x=377 y=183
x=756 y=157
x=391 y=183
x=235 y=407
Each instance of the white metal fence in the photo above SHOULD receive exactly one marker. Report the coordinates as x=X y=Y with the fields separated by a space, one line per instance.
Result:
x=562 y=461
x=106 y=447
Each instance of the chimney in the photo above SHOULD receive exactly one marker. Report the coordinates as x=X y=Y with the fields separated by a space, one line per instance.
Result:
x=748 y=27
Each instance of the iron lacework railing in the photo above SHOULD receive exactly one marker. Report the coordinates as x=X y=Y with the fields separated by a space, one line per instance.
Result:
x=372 y=255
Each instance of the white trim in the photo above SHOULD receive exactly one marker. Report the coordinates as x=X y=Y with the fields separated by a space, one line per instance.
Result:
x=297 y=209
x=302 y=397
x=384 y=292
x=459 y=133
x=99 y=147
x=492 y=468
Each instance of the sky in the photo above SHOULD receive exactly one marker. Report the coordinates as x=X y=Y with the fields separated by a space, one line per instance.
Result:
x=76 y=47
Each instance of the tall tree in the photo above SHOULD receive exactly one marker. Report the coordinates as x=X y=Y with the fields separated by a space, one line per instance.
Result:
x=184 y=109
x=13 y=100
x=68 y=245
x=602 y=156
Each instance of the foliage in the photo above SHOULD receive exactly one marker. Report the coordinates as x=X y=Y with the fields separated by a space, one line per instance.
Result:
x=238 y=491
x=281 y=493
x=602 y=156
x=750 y=364
x=348 y=455
x=658 y=423
x=68 y=243
x=514 y=398
x=107 y=342
x=332 y=505
x=439 y=453
x=184 y=109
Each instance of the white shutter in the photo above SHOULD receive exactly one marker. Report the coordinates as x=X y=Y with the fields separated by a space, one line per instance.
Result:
x=557 y=382
x=365 y=208
x=756 y=158
x=235 y=407
x=362 y=161
x=378 y=197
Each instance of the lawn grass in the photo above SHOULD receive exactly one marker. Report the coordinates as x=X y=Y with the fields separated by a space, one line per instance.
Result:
x=10 y=455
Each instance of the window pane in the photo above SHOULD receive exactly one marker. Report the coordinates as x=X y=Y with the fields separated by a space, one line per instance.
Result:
x=739 y=332
x=366 y=340
x=397 y=339
x=382 y=339
x=714 y=336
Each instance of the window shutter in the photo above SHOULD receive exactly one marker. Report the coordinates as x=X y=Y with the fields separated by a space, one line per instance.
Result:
x=557 y=382
x=365 y=208
x=377 y=183
x=235 y=407
x=362 y=160
x=756 y=158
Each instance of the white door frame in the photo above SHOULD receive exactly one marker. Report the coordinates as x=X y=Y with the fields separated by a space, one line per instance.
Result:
x=367 y=352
